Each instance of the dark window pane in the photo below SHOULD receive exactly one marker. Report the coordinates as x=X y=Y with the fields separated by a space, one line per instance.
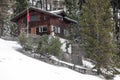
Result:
x=44 y=29
x=33 y=18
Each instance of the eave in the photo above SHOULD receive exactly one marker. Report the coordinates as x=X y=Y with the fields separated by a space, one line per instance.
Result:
x=24 y=13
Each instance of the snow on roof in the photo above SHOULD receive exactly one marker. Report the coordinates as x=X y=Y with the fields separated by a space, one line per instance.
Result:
x=39 y=9
x=57 y=11
x=52 y=13
x=32 y=8
x=72 y=20
x=62 y=11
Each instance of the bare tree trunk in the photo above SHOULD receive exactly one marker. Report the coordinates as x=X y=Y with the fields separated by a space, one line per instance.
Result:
x=98 y=71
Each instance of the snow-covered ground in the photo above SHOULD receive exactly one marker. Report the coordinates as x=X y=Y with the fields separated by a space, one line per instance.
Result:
x=88 y=64
x=16 y=66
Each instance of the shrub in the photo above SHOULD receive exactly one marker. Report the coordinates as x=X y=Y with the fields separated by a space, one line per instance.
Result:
x=22 y=39
x=46 y=44
x=43 y=45
x=54 y=47
x=49 y=45
x=26 y=42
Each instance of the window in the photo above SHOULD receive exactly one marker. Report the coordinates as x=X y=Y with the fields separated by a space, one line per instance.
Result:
x=58 y=29
x=43 y=29
x=33 y=18
x=55 y=29
x=52 y=28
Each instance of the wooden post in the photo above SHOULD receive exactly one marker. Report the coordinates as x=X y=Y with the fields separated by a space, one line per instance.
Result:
x=27 y=23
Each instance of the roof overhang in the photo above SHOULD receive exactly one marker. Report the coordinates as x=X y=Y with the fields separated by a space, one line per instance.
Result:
x=70 y=20
x=54 y=14
x=15 y=18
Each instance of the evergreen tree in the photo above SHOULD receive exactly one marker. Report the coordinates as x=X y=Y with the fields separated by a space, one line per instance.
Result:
x=72 y=8
x=20 y=5
x=43 y=44
x=26 y=42
x=49 y=45
x=97 y=28
x=4 y=7
x=54 y=46
x=12 y=30
x=73 y=11
x=22 y=39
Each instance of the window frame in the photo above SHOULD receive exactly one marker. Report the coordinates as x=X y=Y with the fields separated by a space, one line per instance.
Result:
x=41 y=29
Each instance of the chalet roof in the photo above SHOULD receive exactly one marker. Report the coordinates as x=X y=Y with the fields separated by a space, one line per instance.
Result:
x=69 y=19
x=52 y=13
x=59 y=12
x=24 y=12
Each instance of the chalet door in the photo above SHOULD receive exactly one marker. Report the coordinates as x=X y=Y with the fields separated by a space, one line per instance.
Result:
x=37 y=31
x=32 y=30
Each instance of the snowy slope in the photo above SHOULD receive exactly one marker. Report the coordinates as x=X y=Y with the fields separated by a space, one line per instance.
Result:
x=16 y=66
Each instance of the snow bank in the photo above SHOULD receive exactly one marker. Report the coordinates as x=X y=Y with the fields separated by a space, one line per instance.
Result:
x=87 y=64
x=16 y=66
x=117 y=77
x=63 y=47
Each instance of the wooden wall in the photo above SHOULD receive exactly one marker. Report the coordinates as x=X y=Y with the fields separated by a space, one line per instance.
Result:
x=42 y=19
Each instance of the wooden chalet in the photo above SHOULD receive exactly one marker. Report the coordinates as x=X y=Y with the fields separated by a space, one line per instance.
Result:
x=43 y=22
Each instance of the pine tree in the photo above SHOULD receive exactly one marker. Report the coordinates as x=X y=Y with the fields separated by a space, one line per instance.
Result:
x=54 y=46
x=97 y=28
x=20 y=5
x=43 y=44
x=49 y=45
x=4 y=7
x=73 y=11
x=72 y=8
